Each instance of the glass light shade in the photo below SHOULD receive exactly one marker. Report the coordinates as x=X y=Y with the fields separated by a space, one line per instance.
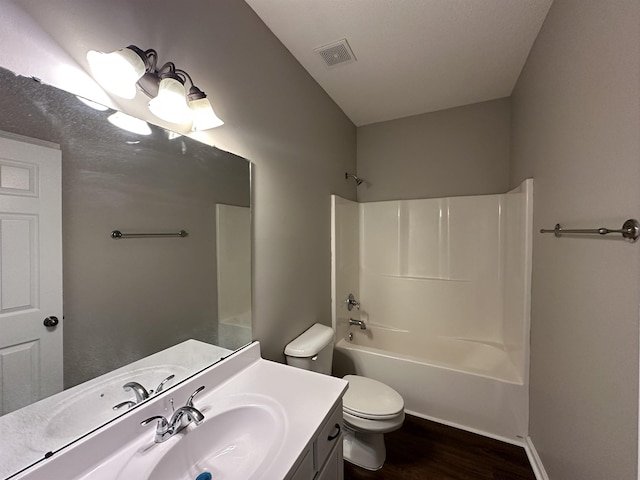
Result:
x=117 y=71
x=204 y=117
x=171 y=102
x=129 y=123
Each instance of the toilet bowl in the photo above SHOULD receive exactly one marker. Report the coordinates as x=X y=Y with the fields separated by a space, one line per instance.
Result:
x=370 y=408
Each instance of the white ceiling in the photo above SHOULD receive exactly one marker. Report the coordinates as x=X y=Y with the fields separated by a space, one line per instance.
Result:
x=413 y=56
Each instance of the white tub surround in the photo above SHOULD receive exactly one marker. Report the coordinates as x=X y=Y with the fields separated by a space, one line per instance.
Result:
x=233 y=254
x=291 y=406
x=444 y=289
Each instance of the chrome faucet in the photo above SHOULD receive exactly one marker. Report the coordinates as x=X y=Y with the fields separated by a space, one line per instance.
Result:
x=360 y=323
x=352 y=302
x=140 y=392
x=180 y=419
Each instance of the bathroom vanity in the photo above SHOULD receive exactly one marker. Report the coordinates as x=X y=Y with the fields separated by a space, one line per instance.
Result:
x=262 y=420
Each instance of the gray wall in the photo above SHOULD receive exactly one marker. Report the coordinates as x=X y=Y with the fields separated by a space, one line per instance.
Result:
x=460 y=151
x=576 y=130
x=275 y=115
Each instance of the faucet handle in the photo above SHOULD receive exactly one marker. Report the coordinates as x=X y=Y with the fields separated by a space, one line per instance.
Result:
x=352 y=302
x=190 y=400
x=161 y=386
x=127 y=403
x=163 y=429
x=163 y=424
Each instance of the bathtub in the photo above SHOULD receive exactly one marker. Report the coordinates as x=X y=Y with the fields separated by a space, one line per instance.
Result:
x=463 y=383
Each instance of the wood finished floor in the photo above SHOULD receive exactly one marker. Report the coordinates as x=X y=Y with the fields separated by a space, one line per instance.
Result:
x=424 y=450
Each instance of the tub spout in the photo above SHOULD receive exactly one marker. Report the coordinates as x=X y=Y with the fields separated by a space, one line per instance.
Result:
x=360 y=323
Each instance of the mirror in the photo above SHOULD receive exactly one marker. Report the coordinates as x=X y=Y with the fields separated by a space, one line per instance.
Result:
x=129 y=298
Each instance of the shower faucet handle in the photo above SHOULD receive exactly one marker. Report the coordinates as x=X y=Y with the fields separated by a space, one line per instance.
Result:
x=352 y=302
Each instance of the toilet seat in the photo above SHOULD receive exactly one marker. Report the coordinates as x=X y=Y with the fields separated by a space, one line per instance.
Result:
x=372 y=426
x=371 y=400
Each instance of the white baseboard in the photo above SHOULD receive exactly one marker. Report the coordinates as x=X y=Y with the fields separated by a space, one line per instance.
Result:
x=534 y=460
x=512 y=441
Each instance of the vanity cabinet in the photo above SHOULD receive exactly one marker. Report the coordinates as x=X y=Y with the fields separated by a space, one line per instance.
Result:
x=322 y=459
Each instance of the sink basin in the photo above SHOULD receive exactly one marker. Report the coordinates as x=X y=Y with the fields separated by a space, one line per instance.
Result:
x=238 y=442
x=92 y=406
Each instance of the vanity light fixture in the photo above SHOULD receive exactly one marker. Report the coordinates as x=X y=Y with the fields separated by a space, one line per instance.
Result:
x=121 y=71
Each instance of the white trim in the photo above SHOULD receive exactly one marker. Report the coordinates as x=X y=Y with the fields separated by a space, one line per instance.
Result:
x=534 y=460
x=30 y=140
x=519 y=443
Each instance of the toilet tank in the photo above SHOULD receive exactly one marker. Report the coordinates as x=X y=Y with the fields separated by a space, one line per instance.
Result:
x=313 y=350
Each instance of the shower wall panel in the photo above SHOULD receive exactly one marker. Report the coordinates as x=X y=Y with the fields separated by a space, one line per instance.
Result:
x=433 y=266
x=345 y=265
x=456 y=267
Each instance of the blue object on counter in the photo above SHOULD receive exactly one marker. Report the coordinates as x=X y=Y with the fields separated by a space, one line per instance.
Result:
x=204 y=476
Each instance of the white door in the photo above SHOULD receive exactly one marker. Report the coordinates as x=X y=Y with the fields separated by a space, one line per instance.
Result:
x=30 y=271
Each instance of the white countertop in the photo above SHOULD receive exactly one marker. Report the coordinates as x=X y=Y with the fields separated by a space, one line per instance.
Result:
x=50 y=424
x=305 y=398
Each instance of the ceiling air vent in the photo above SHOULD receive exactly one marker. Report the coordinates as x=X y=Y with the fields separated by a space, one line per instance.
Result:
x=336 y=53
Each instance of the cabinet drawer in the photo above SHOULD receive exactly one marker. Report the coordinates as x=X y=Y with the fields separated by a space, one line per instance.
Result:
x=330 y=434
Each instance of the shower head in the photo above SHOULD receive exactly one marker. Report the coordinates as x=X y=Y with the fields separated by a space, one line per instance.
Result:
x=351 y=175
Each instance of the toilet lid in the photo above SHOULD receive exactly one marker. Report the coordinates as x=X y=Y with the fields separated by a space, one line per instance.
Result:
x=366 y=397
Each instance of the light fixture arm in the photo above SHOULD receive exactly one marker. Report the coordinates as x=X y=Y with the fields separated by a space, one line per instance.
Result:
x=149 y=57
x=185 y=74
x=194 y=93
x=169 y=70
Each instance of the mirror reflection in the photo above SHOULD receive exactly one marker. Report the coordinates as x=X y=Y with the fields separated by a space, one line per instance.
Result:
x=150 y=309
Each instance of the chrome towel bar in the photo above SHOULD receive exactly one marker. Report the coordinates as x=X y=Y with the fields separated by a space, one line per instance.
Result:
x=116 y=234
x=630 y=230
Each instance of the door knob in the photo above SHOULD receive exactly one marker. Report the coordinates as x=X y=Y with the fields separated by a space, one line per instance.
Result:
x=51 y=321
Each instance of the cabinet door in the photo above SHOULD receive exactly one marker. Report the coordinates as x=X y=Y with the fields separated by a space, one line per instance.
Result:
x=334 y=468
x=330 y=435
x=305 y=469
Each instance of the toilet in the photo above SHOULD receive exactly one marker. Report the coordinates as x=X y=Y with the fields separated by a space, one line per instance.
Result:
x=370 y=408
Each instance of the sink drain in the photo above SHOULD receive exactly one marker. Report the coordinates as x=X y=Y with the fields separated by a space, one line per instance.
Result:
x=204 y=476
